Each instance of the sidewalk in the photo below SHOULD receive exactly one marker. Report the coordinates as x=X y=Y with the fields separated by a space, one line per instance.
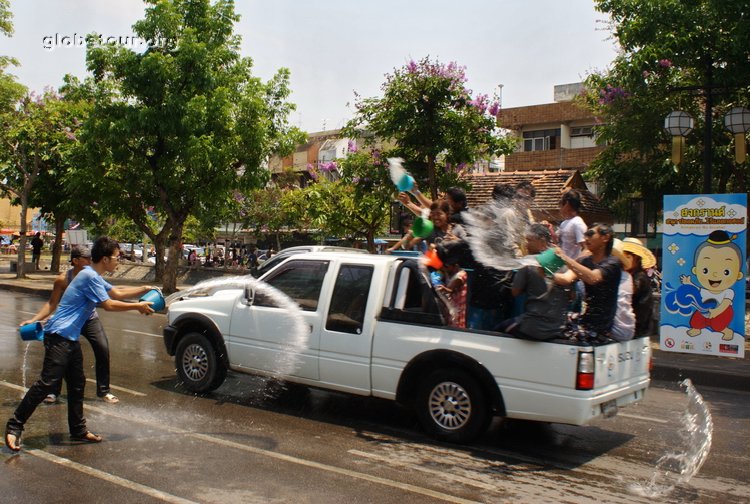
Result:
x=706 y=370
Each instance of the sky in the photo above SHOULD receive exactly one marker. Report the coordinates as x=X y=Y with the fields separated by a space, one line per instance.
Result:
x=335 y=48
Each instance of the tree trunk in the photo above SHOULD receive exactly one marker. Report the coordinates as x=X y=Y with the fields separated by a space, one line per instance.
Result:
x=57 y=248
x=431 y=177
x=20 y=273
x=169 y=284
x=371 y=241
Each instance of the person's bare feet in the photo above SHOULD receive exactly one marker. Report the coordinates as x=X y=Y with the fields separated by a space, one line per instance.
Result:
x=12 y=441
x=88 y=437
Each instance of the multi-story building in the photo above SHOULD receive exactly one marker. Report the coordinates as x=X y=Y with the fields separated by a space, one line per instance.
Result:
x=552 y=136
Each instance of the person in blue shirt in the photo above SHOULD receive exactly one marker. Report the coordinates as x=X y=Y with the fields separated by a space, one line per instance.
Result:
x=62 y=350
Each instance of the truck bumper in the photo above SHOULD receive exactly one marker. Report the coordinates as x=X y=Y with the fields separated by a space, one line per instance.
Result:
x=578 y=408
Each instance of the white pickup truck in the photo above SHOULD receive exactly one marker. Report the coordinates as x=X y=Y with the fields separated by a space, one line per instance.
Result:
x=376 y=328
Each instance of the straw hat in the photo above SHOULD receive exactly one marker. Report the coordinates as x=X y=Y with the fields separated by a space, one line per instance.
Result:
x=635 y=247
x=617 y=249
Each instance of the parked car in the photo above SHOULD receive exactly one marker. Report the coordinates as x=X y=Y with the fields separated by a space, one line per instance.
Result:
x=269 y=264
x=131 y=252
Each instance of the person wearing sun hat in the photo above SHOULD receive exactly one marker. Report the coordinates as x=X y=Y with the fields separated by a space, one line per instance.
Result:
x=640 y=259
x=623 y=325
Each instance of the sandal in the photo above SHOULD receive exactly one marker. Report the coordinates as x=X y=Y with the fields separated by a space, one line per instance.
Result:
x=88 y=437
x=13 y=441
x=110 y=398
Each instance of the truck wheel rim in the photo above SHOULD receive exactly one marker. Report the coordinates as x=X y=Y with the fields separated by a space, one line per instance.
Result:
x=195 y=362
x=450 y=405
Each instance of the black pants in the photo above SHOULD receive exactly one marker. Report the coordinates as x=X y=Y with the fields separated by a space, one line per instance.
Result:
x=93 y=330
x=62 y=359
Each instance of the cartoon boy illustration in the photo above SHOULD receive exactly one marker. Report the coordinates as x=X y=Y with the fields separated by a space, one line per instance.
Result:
x=717 y=266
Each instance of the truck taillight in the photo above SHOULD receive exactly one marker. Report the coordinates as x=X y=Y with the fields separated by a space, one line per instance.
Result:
x=585 y=374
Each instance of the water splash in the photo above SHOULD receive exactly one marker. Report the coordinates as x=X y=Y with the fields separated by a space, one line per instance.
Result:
x=496 y=235
x=677 y=468
x=293 y=325
x=24 y=366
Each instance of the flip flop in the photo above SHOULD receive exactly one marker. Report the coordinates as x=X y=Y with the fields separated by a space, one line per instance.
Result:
x=87 y=437
x=12 y=441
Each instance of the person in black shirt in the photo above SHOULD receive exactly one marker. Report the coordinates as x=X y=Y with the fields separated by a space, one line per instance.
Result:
x=600 y=272
x=36 y=249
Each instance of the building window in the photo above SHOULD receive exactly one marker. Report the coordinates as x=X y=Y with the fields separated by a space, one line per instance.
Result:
x=541 y=140
x=582 y=131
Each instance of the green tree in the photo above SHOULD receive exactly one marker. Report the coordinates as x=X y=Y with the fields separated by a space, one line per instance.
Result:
x=434 y=121
x=10 y=90
x=35 y=140
x=51 y=192
x=276 y=209
x=354 y=205
x=182 y=125
x=672 y=54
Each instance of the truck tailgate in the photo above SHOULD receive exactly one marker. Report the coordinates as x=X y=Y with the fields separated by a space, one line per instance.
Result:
x=621 y=363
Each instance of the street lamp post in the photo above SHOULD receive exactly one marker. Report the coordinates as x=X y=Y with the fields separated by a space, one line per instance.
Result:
x=679 y=124
x=737 y=120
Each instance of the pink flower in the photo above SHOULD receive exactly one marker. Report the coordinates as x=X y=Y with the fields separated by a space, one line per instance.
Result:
x=665 y=63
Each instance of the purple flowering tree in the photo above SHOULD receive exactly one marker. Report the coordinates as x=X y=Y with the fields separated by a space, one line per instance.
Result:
x=433 y=119
x=37 y=143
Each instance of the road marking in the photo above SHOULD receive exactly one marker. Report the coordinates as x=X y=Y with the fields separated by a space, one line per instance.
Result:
x=286 y=458
x=121 y=389
x=13 y=386
x=22 y=389
x=275 y=455
x=144 y=333
x=110 y=478
x=439 y=473
x=639 y=417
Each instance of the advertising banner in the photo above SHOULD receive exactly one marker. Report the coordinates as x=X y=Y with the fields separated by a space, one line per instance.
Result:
x=703 y=274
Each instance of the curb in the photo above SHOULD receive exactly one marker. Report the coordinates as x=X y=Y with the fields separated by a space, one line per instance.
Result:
x=700 y=377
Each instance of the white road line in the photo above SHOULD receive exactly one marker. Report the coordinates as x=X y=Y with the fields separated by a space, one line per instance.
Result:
x=26 y=312
x=435 y=472
x=110 y=478
x=333 y=469
x=13 y=386
x=121 y=389
x=144 y=333
x=275 y=455
x=639 y=417
x=18 y=387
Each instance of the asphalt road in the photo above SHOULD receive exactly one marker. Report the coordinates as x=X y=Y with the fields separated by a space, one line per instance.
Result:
x=255 y=441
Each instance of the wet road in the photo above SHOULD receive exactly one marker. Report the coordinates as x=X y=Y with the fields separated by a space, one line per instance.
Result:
x=254 y=441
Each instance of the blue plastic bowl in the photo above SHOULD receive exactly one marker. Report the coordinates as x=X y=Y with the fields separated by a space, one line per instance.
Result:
x=155 y=297
x=406 y=183
x=32 y=332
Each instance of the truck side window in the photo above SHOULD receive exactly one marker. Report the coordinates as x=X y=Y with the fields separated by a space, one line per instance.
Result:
x=349 y=299
x=300 y=280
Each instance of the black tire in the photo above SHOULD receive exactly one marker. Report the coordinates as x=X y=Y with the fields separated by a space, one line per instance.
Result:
x=199 y=368
x=451 y=406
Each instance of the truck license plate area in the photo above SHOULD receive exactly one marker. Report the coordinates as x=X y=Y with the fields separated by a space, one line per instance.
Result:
x=609 y=408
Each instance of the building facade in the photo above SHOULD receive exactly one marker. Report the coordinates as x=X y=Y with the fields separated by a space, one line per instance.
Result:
x=551 y=136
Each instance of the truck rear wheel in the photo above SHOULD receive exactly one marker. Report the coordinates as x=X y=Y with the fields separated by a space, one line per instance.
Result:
x=451 y=406
x=199 y=367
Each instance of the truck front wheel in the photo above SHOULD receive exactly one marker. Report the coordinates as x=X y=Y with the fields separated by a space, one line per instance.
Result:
x=199 y=368
x=451 y=406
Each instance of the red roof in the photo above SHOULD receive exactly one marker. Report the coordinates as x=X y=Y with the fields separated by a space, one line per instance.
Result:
x=549 y=185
